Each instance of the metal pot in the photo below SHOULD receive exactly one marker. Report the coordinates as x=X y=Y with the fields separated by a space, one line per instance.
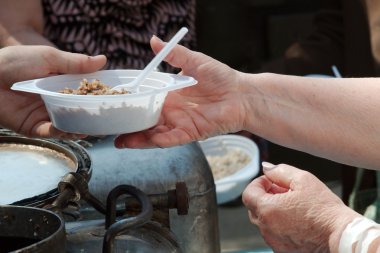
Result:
x=28 y=229
x=32 y=168
x=156 y=171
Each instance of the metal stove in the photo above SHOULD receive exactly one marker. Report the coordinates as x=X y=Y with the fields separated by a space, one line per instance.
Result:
x=135 y=200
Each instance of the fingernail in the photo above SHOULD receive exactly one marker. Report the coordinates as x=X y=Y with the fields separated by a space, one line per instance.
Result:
x=118 y=144
x=268 y=166
x=155 y=37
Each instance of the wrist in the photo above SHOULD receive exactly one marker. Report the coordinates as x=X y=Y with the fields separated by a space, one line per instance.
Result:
x=253 y=99
x=338 y=236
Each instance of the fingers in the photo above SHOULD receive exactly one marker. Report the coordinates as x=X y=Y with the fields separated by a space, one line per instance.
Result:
x=277 y=179
x=255 y=190
x=180 y=56
x=45 y=129
x=166 y=137
x=282 y=175
x=72 y=63
x=134 y=140
x=46 y=61
x=160 y=136
x=278 y=189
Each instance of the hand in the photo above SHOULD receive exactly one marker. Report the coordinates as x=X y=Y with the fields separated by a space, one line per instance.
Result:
x=23 y=112
x=211 y=107
x=296 y=212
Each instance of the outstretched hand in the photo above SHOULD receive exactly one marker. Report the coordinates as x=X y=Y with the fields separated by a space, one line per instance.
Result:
x=211 y=107
x=23 y=112
x=296 y=212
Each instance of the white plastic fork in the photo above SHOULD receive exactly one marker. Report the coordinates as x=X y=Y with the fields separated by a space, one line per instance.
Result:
x=134 y=85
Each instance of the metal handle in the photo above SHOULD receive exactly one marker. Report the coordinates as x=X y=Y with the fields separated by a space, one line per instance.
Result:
x=115 y=228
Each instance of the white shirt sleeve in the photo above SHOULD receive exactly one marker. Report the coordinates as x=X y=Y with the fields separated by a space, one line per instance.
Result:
x=362 y=231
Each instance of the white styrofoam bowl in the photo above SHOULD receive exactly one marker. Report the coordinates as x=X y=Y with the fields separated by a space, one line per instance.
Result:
x=105 y=114
x=231 y=187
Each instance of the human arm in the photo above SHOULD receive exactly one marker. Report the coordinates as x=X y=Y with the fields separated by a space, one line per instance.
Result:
x=21 y=22
x=296 y=212
x=333 y=118
x=23 y=112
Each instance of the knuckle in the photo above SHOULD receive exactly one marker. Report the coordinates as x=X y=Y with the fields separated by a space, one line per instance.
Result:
x=265 y=214
x=265 y=217
x=305 y=175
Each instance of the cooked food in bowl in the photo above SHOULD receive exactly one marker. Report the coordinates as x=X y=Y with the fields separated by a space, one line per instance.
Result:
x=234 y=161
x=93 y=88
x=227 y=164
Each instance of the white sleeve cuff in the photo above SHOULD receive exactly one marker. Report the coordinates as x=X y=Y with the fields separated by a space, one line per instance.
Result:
x=361 y=231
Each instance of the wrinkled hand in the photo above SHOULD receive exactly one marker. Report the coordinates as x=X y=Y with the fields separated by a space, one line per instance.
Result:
x=211 y=107
x=296 y=212
x=23 y=112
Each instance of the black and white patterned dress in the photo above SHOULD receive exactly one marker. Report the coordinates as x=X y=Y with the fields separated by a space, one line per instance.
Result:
x=120 y=29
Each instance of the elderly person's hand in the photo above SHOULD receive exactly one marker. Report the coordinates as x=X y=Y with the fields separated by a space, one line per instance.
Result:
x=23 y=112
x=296 y=212
x=213 y=106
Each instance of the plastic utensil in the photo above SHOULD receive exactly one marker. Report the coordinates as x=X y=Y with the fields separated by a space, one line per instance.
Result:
x=336 y=71
x=133 y=86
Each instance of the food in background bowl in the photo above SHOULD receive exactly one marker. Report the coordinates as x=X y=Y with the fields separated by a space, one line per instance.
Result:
x=105 y=114
x=234 y=161
x=227 y=164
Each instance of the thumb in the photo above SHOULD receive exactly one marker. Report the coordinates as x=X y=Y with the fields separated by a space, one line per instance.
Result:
x=180 y=56
x=73 y=63
x=282 y=175
x=76 y=63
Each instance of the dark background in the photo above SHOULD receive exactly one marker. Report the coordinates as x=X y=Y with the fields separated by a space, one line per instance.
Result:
x=246 y=33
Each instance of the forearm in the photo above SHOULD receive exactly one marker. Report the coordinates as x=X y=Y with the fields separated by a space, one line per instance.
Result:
x=26 y=36
x=21 y=22
x=332 y=118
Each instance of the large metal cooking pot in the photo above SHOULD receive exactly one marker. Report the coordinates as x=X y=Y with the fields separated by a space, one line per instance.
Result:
x=158 y=170
x=28 y=229
x=32 y=168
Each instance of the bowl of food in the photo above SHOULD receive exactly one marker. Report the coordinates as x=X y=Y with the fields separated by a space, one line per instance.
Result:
x=85 y=103
x=234 y=162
